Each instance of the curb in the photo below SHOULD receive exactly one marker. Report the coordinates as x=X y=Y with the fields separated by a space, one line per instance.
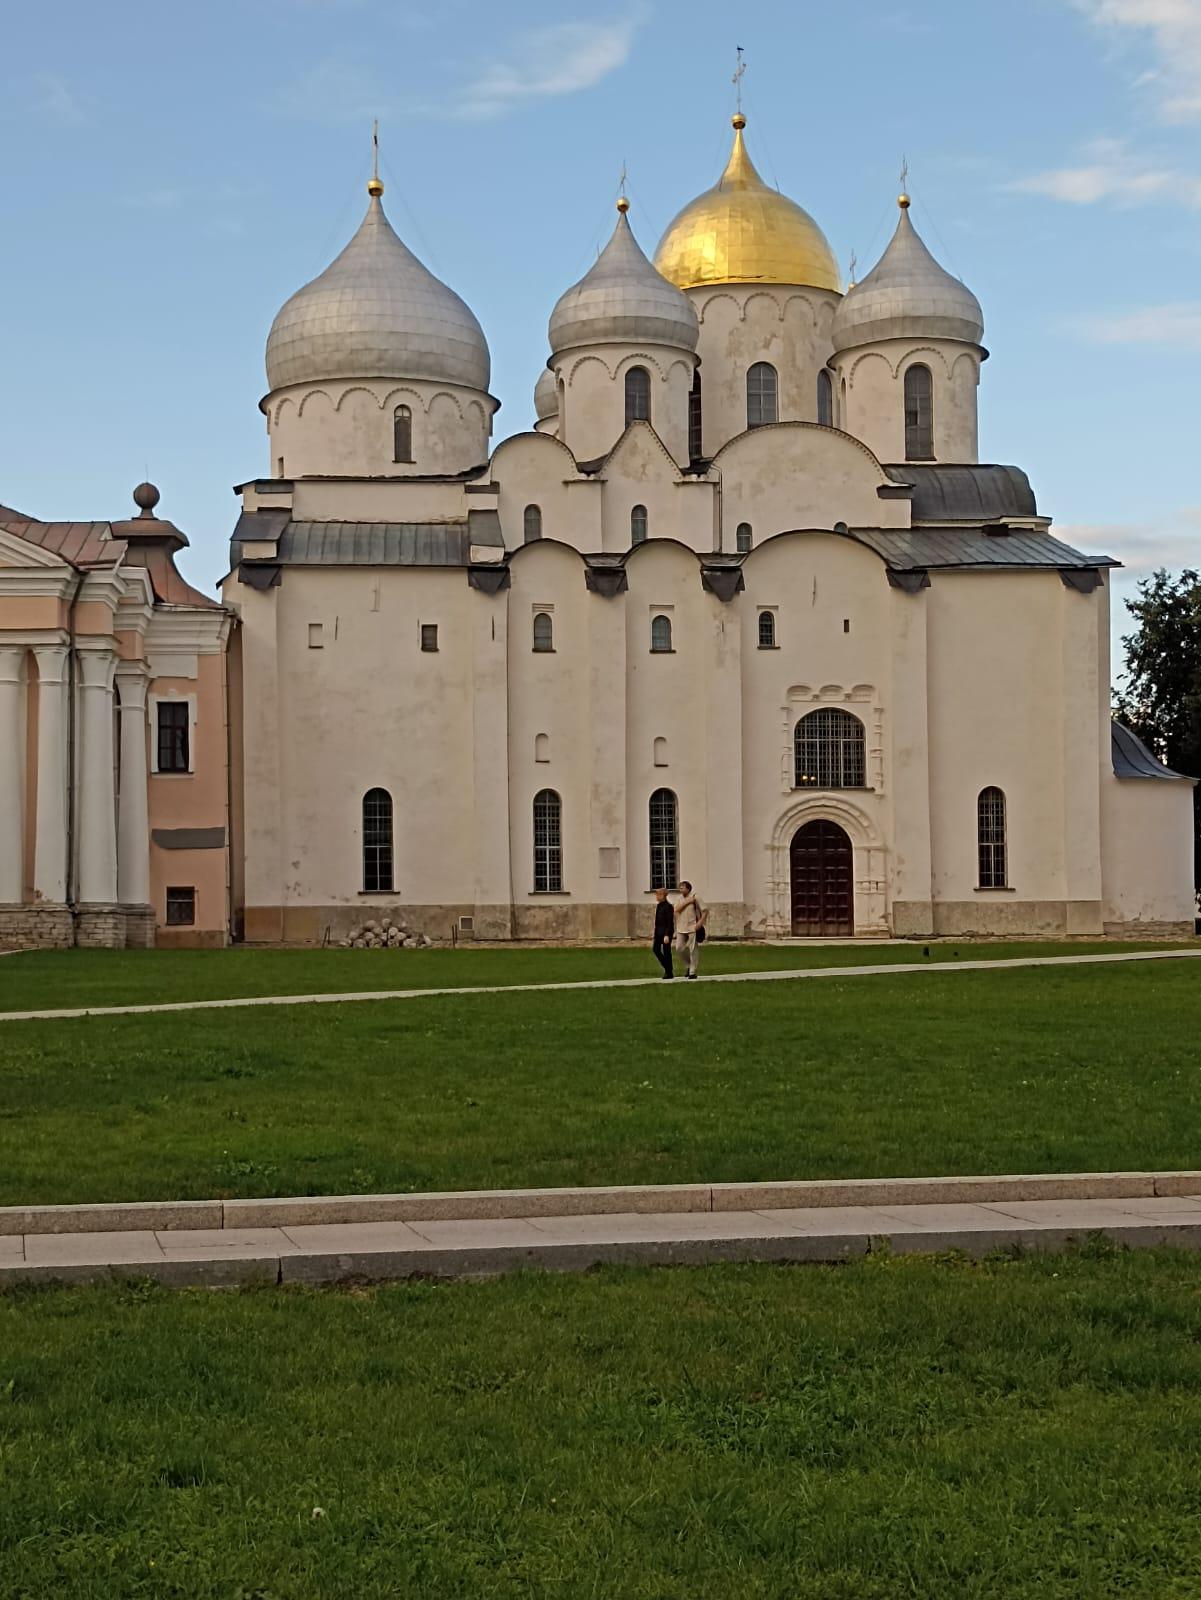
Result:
x=646 y=1199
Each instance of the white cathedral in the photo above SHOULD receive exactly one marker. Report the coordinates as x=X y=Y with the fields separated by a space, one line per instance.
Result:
x=743 y=608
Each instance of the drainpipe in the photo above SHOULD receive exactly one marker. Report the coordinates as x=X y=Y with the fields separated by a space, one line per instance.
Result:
x=72 y=908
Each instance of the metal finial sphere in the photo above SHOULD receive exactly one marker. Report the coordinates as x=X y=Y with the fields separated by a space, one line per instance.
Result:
x=623 y=205
x=738 y=120
x=903 y=201
x=375 y=187
x=146 y=496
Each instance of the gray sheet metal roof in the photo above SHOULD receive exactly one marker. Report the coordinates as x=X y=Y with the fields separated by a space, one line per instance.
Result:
x=909 y=549
x=965 y=492
x=374 y=544
x=1132 y=759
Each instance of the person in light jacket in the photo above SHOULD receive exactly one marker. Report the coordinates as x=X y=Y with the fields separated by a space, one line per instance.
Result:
x=690 y=919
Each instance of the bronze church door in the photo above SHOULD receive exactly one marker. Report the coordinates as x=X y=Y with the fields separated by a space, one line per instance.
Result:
x=823 y=887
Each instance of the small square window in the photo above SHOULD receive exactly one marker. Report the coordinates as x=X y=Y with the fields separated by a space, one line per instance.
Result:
x=315 y=640
x=181 y=908
x=429 y=635
x=846 y=624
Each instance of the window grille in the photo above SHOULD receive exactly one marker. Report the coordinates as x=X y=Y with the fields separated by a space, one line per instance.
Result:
x=638 y=525
x=377 y=842
x=665 y=839
x=767 y=630
x=825 y=399
x=990 y=833
x=743 y=538
x=174 y=718
x=429 y=635
x=831 y=750
x=181 y=908
x=661 y=634
x=532 y=523
x=548 y=842
x=544 y=632
x=638 y=395
x=761 y=394
x=919 y=414
x=694 y=418
x=402 y=434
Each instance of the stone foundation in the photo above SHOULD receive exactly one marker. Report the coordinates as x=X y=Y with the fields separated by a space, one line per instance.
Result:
x=44 y=925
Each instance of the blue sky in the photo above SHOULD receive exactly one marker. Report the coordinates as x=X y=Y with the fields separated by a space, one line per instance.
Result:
x=171 y=173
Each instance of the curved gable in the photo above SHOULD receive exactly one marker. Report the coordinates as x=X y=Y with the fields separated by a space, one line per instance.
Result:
x=799 y=474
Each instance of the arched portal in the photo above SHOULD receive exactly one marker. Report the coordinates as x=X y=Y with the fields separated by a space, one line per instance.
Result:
x=823 y=881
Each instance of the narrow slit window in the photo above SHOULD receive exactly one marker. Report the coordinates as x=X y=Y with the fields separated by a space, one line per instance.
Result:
x=919 y=414
x=377 y=842
x=661 y=635
x=402 y=434
x=762 y=395
x=825 y=399
x=638 y=395
x=664 y=822
x=767 y=630
x=695 y=433
x=743 y=538
x=548 y=842
x=532 y=524
x=638 y=525
x=990 y=836
x=544 y=632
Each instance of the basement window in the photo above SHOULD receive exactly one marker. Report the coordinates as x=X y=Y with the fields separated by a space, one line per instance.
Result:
x=181 y=907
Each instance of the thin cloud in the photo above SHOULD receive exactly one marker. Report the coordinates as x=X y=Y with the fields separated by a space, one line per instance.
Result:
x=1111 y=173
x=1173 y=541
x=1172 y=28
x=1177 y=323
x=56 y=101
x=561 y=59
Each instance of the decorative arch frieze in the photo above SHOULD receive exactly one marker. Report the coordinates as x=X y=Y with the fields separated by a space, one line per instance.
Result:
x=313 y=394
x=908 y=356
x=413 y=394
x=868 y=355
x=445 y=394
x=971 y=360
x=355 y=388
x=583 y=361
x=639 y=358
x=800 y=300
x=712 y=300
x=279 y=410
x=773 y=300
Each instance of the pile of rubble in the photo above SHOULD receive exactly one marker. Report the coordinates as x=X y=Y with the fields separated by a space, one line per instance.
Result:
x=386 y=935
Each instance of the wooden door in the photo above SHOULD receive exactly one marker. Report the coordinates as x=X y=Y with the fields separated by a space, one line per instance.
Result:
x=823 y=887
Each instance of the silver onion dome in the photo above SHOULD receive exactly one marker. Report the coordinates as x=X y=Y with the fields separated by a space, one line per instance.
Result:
x=623 y=300
x=377 y=312
x=907 y=295
x=546 y=395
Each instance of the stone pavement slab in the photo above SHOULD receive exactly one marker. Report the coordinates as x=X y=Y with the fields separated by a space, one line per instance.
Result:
x=228 y=1243
x=121 y=1249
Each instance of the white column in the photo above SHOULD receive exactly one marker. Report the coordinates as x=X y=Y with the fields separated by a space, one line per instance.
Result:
x=133 y=816
x=97 y=820
x=12 y=776
x=50 y=854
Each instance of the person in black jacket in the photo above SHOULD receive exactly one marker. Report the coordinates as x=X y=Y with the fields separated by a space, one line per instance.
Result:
x=665 y=925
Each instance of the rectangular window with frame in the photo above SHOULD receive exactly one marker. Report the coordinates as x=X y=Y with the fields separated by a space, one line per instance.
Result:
x=429 y=636
x=181 y=907
x=174 y=734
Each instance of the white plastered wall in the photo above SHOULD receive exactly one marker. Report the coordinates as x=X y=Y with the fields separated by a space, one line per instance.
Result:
x=347 y=428
x=874 y=405
x=592 y=396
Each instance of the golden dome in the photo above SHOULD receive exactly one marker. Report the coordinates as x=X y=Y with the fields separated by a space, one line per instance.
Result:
x=743 y=231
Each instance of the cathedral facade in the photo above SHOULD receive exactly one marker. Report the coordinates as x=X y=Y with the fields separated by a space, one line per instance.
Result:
x=743 y=607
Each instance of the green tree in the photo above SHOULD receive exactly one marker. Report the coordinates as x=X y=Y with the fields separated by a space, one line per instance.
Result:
x=1161 y=695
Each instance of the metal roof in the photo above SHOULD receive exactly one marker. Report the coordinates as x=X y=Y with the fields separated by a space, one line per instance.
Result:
x=911 y=549
x=965 y=492
x=81 y=544
x=1132 y=759
x=907 y=295
x=374 y=544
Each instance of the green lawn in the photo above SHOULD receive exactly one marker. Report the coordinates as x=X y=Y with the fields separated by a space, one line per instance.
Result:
x=892 y=1428
x=65 y=978
x=1024 y=1070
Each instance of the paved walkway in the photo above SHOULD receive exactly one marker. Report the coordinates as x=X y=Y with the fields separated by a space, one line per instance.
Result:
x=379 y=1251
x=894 y=969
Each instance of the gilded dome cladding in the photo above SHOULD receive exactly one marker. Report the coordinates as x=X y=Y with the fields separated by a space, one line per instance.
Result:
x=907 y=295
x=377 y=312
x=621 y=299
x=744 y=231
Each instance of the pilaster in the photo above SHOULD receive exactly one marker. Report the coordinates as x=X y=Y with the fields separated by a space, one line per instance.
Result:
x=12 y=774
x=133 y=819
x=97 y=820
x=50 y=846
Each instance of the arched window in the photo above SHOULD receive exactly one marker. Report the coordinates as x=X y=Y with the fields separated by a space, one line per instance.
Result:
x=919 y=413
x=743 y=538
x=638 y=395
x=825 y=399
x=661 y=634
x=659 y=752
x=544 y=631
x=532 y=523
x=695 y=436
x=402 y=434
x=548 y=842
x=377 y=842
x=831 y=751
x=761 y=394
x=767 y=630
x=542 y=747
x=665 y=840
x=990 y=837
x=638 y=525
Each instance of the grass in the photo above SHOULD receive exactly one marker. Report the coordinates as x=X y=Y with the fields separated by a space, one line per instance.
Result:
x=1024 y=1070
x=54 y=979
x=891 y=1428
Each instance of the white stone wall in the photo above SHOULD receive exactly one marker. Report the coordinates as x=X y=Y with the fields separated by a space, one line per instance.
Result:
x=592 y=396
x=345 y=428
x=870 y=380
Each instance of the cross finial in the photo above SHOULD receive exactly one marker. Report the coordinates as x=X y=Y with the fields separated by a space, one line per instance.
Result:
x=375 y=187
x=739 y=70
x=903 y=197
x=854 y=268
x=623 y=204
